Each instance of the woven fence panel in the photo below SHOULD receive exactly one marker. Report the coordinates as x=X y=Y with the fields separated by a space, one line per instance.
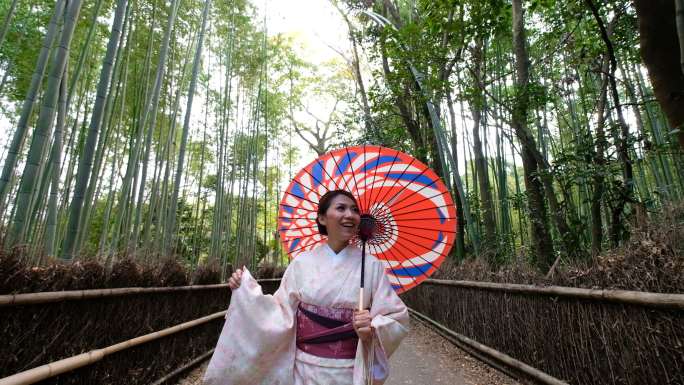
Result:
x=35 y=335
x=579 y=341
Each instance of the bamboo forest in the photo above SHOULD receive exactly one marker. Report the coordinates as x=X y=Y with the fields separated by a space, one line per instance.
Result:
x=151 y=143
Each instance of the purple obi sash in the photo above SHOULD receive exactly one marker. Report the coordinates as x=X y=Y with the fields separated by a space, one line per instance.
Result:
x=326 y=332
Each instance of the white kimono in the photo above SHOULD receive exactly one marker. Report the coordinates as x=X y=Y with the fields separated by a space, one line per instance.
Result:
x=257 y=344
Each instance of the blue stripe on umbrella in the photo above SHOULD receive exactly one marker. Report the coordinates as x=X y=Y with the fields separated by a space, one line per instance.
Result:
x=288 y=209
x=344 y=163
x=413 y=271
x=377 y=162
x=396 y=287
x=317 y=173
x=295 y=243
x=422 y=179
x=440 y=236
x=297 y=191
x=442 y=218
x=286 y=220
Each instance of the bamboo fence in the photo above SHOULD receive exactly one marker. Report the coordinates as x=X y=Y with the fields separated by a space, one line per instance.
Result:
x=55 y=368
x=660 y=300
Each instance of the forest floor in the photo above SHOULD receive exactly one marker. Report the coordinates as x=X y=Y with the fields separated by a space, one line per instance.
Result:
x=423 y=358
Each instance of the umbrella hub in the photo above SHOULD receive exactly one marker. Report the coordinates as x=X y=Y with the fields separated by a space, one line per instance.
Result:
x=367 y=227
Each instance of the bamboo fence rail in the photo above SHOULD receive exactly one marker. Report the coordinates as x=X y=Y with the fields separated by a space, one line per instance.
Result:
x=52 y=369
x=184 y=368
x=660 y=300
x=672 y=301
x=71 y=295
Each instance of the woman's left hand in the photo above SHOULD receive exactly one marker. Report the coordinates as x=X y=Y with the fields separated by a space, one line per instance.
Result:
x=362 y=325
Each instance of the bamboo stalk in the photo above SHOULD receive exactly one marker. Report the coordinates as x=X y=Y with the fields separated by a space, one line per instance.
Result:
x=58 y=296
x=505 y=359
x=660 y=300
x=55 y=368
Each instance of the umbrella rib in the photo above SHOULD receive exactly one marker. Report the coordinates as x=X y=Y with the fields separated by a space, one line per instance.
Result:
x=413 y=192
x=411 y=181
x=365 y=186
x=297 y=196
x=391 y=269
x=305 y=247
x=395 y=181
x=316 y=179
x=395 y=214
x=346 y=185
x=417 y=235
x=420 y=219
x=423 y=228
x=406 y=259
x=297 y=208
x=314 y=218
x=353 y=173
x=396 y=209
x=398 y=237
x=413 y=264
x=337 y=187
x=375 y=173
x=297 y=228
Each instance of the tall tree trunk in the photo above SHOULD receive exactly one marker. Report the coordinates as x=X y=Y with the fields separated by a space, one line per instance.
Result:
x=84 y=52
x=8 y=21
x=679 y=9
x=543 y=244
x=44 y=126
x=460 y=219
x=117 y=91
x=625 y=189
x=477 y=105
x=27 y=107
x=600 y=163
x=356 y=70
x=660 y=52
x=55 y=172
x=86 y=162
x=152 y=109
x=186 y=126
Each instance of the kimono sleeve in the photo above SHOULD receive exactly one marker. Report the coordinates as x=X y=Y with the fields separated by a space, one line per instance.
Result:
x=257 y=343
x=390 y=322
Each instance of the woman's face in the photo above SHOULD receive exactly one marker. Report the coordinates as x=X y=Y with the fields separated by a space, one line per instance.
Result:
x=341 y=219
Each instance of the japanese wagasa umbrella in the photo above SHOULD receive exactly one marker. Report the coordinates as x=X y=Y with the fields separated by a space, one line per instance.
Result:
x=408 y=219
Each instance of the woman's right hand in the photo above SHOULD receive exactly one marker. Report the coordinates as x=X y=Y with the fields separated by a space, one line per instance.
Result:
x=235 y=279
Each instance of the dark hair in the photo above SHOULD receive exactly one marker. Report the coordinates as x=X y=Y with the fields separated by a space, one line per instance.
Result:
x=324 y=204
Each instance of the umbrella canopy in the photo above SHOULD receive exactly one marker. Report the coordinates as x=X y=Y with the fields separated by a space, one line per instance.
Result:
x=412 y=215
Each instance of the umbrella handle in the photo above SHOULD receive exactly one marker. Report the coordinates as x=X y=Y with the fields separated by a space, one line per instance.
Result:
x=363 y=273
x=360 y=299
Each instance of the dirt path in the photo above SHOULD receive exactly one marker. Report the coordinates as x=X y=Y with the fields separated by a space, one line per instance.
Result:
x=423 y=358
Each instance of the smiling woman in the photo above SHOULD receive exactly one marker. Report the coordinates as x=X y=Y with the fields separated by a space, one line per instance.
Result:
x=309 y=332
x=338 y=211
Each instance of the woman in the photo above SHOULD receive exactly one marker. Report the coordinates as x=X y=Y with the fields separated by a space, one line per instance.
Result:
x=309 y=332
